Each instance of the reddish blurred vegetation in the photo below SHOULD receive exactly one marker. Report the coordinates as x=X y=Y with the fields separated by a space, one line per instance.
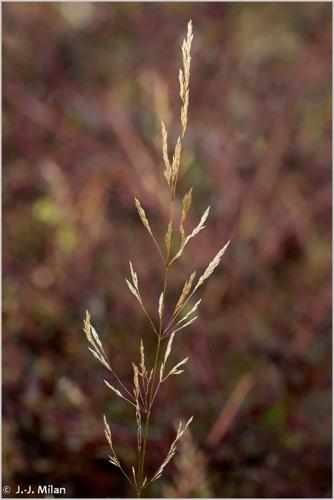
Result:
x=83 y=93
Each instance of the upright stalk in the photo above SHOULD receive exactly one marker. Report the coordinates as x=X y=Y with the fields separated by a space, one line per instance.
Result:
x=146 y=383
x=155 y=365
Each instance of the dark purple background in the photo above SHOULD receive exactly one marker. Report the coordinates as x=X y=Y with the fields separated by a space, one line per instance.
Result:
x=81 y=138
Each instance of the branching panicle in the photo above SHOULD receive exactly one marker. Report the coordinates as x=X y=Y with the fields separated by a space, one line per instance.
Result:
x=147 y=380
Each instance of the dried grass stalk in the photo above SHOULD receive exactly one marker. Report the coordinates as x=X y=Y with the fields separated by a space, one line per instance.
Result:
x=147 y=380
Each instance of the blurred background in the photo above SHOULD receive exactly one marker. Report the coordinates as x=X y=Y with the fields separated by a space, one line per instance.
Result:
x=84 y=89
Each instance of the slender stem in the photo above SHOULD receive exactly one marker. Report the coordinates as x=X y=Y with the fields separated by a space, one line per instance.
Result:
x=152 y=392
x=127 y=477
x=128 y=400
x=148 y=317
x=156 y=391
x=142 y=460
x=158 y=247
x=120 y=382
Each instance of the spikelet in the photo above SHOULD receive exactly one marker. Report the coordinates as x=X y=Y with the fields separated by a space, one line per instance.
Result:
x=93 y=338
x=200 y=226
x=181 y=321
x=171 y=170
x=183 y=326
x=116 y=391
x=168 y=168
x=134 y=286
x=112 y=458
x=107 y=431
x=134 y=477
x=168 y=238
x=172 y=450
x=99 y=358
x=138 y=419
x=186 y=203
x=167 y=353
x=133 y=276
x=143 y=217
x=142 y=360
x=175 y=370
x=144 y=220
x=212 y=266
x=185 y=291
x=133 y=290
x=137 y=394
x=136 y=388
x=176 y=162
x=192 y=310
x=161 y=305
x=184 y=76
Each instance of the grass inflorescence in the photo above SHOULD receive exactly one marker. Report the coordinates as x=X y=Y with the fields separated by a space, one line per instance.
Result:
x=148 y=380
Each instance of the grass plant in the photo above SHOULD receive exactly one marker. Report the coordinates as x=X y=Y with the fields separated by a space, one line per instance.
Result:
x=149 y=380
